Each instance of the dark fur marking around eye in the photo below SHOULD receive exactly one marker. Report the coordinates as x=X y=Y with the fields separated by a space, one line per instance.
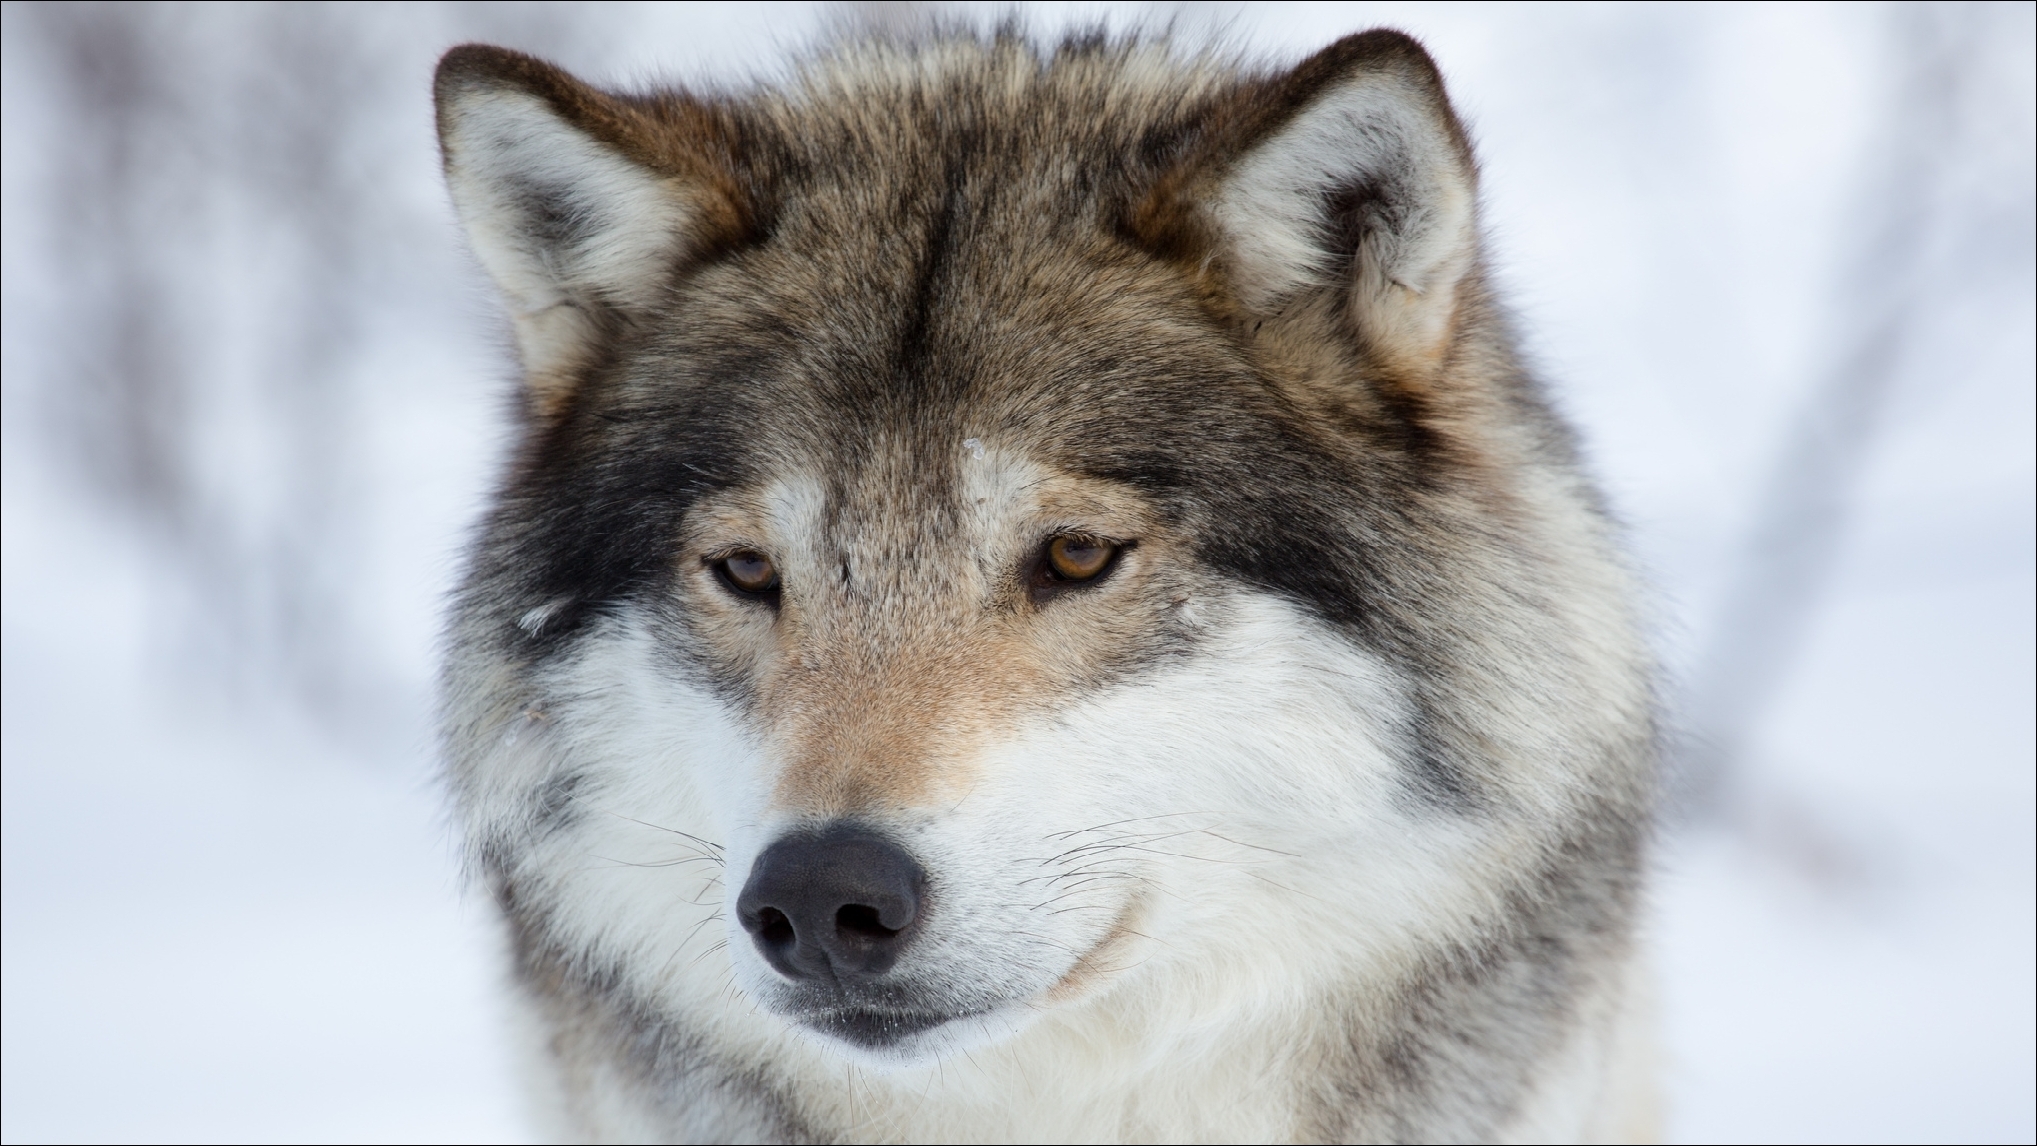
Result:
x=598 y=500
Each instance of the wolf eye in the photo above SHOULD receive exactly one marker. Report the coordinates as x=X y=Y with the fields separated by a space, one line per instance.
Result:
x=1071 y=561
x=1079 y=558
x=748 y=572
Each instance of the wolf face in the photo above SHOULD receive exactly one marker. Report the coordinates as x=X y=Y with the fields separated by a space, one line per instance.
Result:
x=1014 y=546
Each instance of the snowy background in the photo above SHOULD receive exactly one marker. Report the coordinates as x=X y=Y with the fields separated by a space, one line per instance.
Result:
x=1777 y=262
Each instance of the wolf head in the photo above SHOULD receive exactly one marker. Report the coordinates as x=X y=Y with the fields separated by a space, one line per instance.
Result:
x=1004 y=536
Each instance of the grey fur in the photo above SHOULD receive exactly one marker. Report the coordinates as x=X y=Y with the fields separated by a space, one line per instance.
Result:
x=916 y=244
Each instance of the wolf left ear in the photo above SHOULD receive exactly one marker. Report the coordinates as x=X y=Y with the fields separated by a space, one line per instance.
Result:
x=1355 y=174
x=580 y=204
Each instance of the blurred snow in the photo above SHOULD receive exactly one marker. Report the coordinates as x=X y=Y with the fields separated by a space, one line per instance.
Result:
x=252 y=399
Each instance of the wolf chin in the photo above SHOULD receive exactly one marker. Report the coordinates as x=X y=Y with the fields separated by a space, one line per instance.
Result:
x=1036 y=600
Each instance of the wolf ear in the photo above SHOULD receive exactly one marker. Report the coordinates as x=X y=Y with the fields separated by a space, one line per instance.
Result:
x=579 y=204
x=1357 y=176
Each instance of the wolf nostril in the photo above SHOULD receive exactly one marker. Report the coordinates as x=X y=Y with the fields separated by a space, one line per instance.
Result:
x=774 y=928
x=863 y=922
x=837 y=903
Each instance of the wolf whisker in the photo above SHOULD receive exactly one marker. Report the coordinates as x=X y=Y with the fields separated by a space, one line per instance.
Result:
x=682 y=861
x=1243 y=844
x=1120 y=823
x=680 y=947
x=716 y=916
x=719 y=945
x=714 y=850
x=1079 y=907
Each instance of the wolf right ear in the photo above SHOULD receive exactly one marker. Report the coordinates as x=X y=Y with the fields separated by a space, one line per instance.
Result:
x=1349 y=172
x=579 y=204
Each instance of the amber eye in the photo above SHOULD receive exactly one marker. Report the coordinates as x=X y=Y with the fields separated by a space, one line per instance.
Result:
x=748 y=572
x=1079 y=558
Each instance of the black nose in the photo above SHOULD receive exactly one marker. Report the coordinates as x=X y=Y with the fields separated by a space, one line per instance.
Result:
x=838 y=903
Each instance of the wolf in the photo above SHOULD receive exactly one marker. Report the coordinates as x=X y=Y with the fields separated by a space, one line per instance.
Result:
x=1036 y=599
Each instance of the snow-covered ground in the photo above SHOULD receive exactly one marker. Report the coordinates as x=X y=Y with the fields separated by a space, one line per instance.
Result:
x=231 y=909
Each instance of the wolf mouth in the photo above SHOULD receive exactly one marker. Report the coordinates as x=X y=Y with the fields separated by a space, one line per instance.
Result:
x=878 y=1030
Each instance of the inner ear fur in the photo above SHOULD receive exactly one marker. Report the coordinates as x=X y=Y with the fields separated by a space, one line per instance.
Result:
x=580 y=204
x=1350 y=172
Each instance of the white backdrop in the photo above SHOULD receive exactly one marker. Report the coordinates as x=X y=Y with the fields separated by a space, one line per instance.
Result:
x=1776 y=261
